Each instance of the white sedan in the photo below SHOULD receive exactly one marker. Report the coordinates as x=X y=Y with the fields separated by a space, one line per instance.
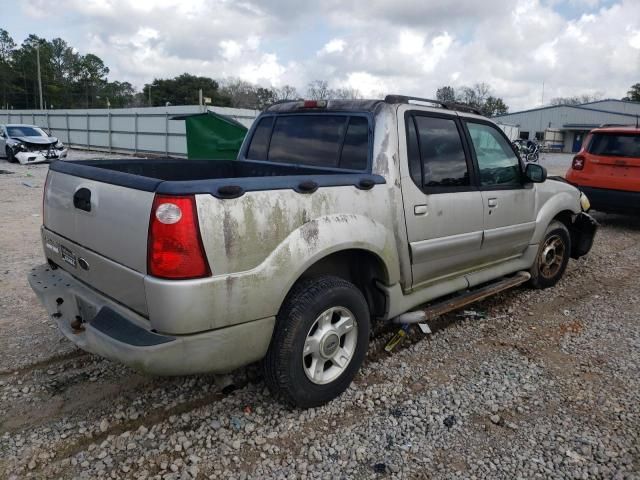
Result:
x=29 y=144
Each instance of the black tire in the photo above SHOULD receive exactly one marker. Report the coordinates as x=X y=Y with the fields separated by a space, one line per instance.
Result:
x=542 y=274
x=284 y=364
x=10 y=156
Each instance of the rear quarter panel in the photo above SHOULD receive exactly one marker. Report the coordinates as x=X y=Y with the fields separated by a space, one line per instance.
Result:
x=258 y=245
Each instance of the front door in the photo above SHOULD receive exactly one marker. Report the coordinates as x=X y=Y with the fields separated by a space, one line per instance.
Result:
x=443 y=210
x=509 y=218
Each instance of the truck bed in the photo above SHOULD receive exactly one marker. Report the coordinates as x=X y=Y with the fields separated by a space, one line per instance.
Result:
x=221 y=178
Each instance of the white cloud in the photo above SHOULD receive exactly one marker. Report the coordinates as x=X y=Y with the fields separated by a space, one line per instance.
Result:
x=230 y=49
x=634 y=39
x=333 y=46
x=405 y=46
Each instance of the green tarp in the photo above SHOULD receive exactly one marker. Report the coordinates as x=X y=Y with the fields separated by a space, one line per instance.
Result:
x=212 y=136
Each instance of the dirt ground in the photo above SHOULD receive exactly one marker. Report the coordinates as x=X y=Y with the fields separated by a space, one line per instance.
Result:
x=69 y=414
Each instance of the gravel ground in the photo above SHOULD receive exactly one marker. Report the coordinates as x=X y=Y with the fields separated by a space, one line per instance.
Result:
x=546 y=386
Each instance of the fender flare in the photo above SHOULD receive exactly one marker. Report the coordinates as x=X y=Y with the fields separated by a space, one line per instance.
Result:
x=560 y=202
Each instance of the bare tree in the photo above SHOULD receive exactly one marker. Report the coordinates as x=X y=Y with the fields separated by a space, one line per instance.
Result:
x=318 y=90
x=346 y=93
x=241 y=94
x=577 y=99
x=287 y=92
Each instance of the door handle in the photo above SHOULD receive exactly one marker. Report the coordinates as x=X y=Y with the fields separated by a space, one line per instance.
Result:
x=420 y=210
x=493 y=202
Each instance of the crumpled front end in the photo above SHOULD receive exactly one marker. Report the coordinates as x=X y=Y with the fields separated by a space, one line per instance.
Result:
x=39 y=155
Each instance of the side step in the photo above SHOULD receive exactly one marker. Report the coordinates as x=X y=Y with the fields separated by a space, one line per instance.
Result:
x=462 y=299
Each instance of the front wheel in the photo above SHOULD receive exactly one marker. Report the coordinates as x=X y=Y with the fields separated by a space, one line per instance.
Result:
x=320 y=340
x=553 y=256
x=11 y=158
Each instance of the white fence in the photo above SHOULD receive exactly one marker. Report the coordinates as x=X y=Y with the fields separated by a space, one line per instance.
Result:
x=128 y=130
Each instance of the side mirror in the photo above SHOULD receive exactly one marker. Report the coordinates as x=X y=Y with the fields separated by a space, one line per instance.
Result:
x=535 y=173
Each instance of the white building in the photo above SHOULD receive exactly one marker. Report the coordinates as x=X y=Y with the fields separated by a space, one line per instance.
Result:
x=570 y=123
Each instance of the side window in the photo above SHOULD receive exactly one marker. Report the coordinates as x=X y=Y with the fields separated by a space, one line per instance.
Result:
x=260 y=140
x=498 y=165
x=439 y=153
x=355 y=150
x=413 y=152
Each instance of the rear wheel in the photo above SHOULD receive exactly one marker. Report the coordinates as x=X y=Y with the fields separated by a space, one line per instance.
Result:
x=553 y=256
x=319 y=343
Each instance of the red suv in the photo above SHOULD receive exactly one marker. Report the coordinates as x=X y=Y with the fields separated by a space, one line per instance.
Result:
x=607 y=169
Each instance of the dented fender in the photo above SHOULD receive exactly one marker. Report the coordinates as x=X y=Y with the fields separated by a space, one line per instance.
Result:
x=552 y=201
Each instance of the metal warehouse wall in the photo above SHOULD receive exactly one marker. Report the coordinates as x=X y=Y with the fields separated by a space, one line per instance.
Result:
x=615 y=106
x=130 y=130
x=539 y=120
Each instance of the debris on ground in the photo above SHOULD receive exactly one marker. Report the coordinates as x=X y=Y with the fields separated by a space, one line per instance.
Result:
x=397 y=338
x=471 y=314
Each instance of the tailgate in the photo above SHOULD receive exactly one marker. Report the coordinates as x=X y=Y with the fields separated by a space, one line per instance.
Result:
x=108 y=222
x=614 y=160
x=616 y=173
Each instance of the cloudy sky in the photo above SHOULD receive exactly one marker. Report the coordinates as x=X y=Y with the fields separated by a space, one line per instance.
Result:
x=376 y=46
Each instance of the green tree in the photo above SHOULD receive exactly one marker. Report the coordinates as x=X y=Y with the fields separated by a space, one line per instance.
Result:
x=494 y=106
x=265 y=97
x=633 y=94
x=183 y=90
x=446 y=94
x=7 y=47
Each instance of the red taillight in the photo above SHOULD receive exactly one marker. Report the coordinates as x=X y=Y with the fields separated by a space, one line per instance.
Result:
x=44 y=197
x=314 y=104
x=578 y=162
x=175 y=247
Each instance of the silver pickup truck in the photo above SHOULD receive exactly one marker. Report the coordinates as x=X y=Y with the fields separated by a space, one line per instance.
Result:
x=335 y=215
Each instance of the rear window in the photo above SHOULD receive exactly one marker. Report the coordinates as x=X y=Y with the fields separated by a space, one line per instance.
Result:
x=337 y=141
x=615 y=145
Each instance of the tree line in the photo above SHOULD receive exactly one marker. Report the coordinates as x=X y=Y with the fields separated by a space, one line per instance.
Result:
x=72 y=80
x=479 y=96
x=69 y=79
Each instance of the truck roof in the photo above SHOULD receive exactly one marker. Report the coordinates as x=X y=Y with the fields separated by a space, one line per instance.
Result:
x=356 y=105
x=366 y=105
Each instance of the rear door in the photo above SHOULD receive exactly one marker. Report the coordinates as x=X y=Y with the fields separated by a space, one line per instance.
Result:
x=443 y=210
x=509 y=202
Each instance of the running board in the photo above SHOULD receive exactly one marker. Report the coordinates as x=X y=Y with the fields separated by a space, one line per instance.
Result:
x=462 y=299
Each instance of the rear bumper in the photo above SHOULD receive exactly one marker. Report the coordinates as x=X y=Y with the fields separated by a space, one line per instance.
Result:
x=607 y=200
x=110 y=330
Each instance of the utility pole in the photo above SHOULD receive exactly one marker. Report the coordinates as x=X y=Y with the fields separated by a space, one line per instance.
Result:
x=200 y=99
x=150 y=95
x=39 y=76
x=542 y=100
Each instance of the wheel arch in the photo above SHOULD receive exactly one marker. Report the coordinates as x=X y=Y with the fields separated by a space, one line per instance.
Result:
x=359 y=266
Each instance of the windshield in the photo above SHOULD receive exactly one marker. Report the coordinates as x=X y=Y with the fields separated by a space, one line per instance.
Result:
x=615 y=145
x=23 y=131
x=324 y=140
